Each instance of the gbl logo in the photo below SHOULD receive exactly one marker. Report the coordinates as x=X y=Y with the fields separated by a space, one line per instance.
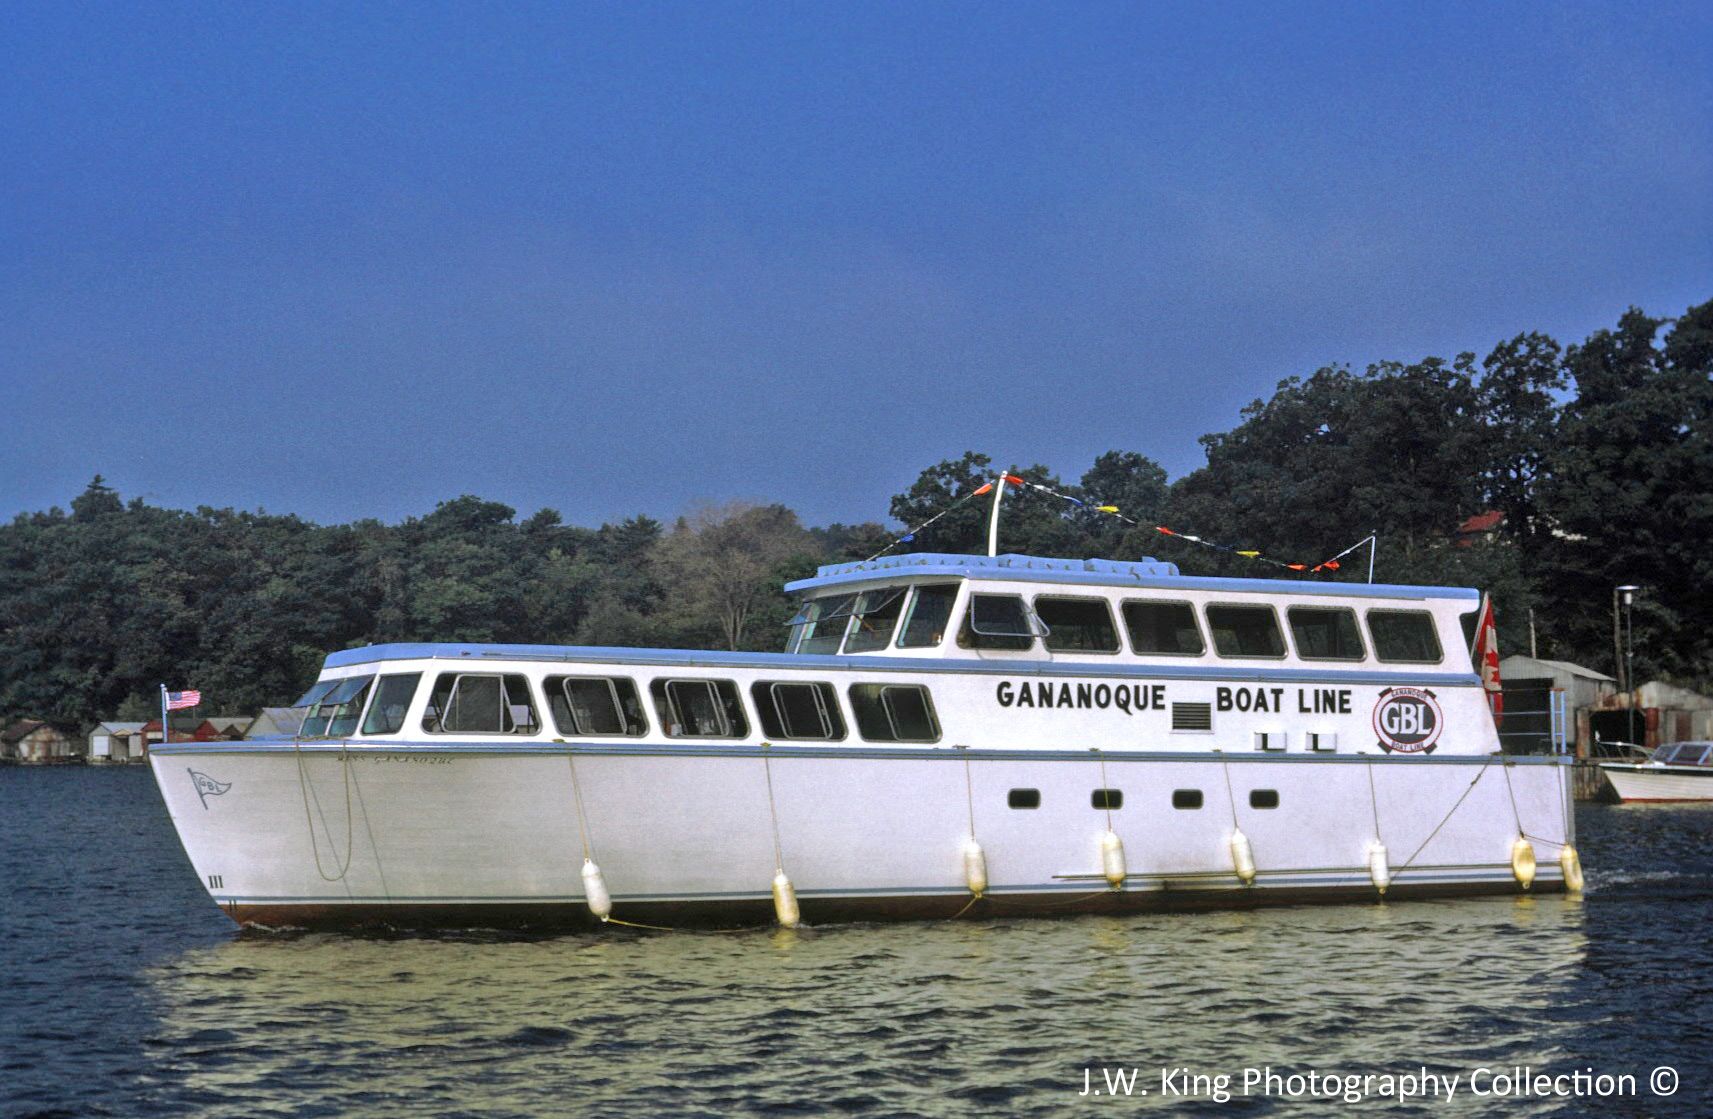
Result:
x=1407 y=721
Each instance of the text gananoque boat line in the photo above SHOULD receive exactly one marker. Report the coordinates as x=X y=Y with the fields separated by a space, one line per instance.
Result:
x=945 y=735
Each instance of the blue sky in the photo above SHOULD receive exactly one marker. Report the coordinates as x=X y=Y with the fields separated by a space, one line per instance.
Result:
x=350 y=261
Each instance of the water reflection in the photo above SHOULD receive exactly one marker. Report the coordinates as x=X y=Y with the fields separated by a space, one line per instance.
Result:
x=913 y=1018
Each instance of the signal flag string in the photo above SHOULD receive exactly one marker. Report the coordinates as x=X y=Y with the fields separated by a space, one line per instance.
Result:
x=1113 y=511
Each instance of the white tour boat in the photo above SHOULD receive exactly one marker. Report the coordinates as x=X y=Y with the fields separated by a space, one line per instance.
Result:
x=1678 y=771
x=945 y=735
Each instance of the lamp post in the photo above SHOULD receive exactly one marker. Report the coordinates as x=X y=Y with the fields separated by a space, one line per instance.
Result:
x=1625 y=596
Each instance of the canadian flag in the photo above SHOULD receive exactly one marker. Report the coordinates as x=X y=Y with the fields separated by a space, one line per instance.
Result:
x=1485 y=656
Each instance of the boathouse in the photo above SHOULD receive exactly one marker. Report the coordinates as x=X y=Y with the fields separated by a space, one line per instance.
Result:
x=35 y=742
x=112 y=742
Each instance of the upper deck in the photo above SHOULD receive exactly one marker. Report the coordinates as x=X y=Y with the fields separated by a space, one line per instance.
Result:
x=1147 y=572
x=998 y=651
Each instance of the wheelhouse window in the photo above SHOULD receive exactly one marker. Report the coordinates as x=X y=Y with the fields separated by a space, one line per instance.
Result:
x=929 y=615
x=1404 y=636
x=480 y=703
x=998 y=621
x=332 y=711
x=792 y=710
x=820 y=625
x=894 y=713
x=1165 y=629
x=1325 y=633
x=699 y=708
x=1245 y=631
x=876 y=615
x=1081 y=625
x=392 y=699
x=595 y=705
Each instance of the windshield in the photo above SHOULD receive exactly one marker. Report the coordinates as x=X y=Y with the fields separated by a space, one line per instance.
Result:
x=876 y=617
x=820 y=626
x=333 y=706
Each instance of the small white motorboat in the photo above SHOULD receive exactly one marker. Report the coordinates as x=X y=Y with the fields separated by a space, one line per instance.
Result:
x=1678 y=771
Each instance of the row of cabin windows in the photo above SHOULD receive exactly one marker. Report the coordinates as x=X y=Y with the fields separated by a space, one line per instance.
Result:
x=1108 y=799
x=1156 y=628
x=610 y=706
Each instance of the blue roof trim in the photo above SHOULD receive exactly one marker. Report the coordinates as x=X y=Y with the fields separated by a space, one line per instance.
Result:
x=1096 y=572
x=681 y=659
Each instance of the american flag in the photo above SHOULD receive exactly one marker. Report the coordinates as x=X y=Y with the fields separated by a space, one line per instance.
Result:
x=177 y=701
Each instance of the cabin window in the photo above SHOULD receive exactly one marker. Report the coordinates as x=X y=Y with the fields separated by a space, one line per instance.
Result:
x=998 y=621
x=894 y=713
x=595 y=705
x=1404 y=636
x=1263 y=798
x=480 y=703
x=930 y=614
x=793 y=710
x=700 y=708
x=1186 y=798
x=1165 y=629
x=821 y=624
x=1107 y=798
x=1023 y=798
x=876 y=616
x=334 y=714
x=392 y=700
x=1082 y=625
x=1245 y=631
x=1325 y=633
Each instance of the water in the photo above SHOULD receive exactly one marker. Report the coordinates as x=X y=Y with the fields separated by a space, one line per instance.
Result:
x=124 y=992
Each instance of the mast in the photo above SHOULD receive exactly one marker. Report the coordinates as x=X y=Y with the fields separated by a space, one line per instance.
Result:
x=993 y=518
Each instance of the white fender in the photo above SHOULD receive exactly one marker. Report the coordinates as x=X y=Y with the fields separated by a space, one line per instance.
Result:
x=595 y=891
x=975 y=867
x=1571 y=864
x=1523 y=861
x=785 y=901
x=1378 y=868
x=1112 y=859
x=1242 y=857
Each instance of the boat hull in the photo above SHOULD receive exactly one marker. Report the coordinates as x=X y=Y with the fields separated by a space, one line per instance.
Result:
x=1659 y=784
x=469 y=835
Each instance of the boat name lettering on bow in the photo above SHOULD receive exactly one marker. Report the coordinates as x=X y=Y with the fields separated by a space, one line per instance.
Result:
x=1128 y=698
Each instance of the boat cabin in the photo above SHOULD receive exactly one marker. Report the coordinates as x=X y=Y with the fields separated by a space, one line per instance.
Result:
x=1028 y=608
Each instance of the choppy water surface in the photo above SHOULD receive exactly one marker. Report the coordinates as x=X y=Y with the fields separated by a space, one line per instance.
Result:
x=124 y=992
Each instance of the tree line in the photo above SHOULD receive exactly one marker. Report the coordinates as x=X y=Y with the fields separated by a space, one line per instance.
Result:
x=1598 y=454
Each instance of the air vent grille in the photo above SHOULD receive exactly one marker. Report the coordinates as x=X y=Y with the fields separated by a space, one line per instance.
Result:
x=1192 y=716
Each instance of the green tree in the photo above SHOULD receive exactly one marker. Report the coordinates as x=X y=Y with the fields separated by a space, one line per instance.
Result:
x=1630 y=493
x=721 y=565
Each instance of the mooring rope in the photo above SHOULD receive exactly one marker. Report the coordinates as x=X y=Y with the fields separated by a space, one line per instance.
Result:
x=772 y=810
x=1447 y=818
x=305 y=788
x=1230 y=797
x=1374 y=803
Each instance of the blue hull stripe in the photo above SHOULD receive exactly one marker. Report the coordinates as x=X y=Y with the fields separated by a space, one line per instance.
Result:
x=941 y=753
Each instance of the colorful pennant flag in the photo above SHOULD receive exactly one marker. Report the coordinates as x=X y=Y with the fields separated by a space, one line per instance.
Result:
x=1113 y=511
